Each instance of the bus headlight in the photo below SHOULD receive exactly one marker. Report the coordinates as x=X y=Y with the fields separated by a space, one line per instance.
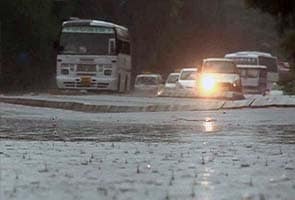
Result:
x=208 y=83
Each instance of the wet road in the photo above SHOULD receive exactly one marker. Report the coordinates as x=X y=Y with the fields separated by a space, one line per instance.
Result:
x=230 y=154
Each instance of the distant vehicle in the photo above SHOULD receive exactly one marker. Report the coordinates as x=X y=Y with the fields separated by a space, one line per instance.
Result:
x=187 y=79
x=217 y=75
x=171 y=80
x=149 y=84
x=254 y=78
x=255 y=58
x=93 y=55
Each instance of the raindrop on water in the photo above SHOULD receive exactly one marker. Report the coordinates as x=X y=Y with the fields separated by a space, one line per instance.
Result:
x=203 y=160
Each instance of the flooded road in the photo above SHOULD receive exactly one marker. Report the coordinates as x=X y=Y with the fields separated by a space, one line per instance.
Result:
x=236 y=154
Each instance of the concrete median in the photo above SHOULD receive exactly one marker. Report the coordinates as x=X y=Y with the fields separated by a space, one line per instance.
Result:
x=181 y=93
x=246 y=103
x=273 y=101
x=156 y=104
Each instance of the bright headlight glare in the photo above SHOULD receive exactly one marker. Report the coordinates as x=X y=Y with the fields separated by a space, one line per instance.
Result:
x=208 y=83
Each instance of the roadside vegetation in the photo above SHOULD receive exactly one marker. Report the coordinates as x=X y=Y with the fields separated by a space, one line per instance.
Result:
x=165 y=34
x=284 y=14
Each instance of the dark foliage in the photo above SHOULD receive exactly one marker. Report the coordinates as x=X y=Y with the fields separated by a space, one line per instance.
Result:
x=165 y=34
x=284 y=13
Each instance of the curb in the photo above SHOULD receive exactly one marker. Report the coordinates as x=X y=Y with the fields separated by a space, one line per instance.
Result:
x=259 y=102
x=193 y=94
x=75 y=106
x=90 y=108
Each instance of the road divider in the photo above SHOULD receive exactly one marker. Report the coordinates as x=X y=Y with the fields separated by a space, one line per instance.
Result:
x=178 y=104
x=273 y=101
x=181 y=93
x=246 y=103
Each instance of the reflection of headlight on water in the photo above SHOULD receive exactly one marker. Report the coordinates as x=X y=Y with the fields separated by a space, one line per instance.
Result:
x=208 y=83
x=160 y=92
x=209 y=125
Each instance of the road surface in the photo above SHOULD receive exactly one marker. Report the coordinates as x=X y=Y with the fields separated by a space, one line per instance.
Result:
x=225 y=154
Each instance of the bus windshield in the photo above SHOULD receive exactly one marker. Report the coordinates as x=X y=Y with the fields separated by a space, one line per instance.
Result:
x=85 y=41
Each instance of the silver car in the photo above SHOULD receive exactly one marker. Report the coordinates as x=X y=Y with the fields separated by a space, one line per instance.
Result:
x=148 y=84
x=171 y=81
x=187 y=79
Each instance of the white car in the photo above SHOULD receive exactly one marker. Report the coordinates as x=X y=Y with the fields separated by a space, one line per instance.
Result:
x=187 y=79
x=171 y=81
x=148 y=84
x=218 y=75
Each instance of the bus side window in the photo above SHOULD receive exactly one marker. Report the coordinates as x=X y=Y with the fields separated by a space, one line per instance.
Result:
x=112 y=46
x=123 y=47
x=243 y=73
x=263 y=73
x=252 y=73
x=127 y=48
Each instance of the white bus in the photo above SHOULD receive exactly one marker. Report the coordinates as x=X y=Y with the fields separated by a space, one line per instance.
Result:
x=93 y=55
x=254 y=58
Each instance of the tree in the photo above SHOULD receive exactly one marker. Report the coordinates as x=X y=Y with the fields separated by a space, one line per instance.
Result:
x=177 y=33
x=165 y=34
x=284 y=13
x=25 y=43
x=282 y=10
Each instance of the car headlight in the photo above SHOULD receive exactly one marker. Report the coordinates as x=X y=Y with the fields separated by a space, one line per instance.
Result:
x=208 y=83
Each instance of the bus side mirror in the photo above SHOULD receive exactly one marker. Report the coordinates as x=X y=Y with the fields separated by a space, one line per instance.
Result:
x=112 y=46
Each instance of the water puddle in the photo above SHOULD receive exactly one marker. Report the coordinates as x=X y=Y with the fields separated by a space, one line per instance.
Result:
x=277 y=134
